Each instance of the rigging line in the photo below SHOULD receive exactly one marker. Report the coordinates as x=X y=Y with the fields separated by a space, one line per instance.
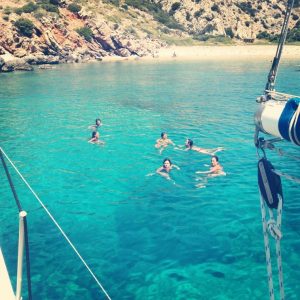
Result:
x=274 y=69
x=269 y=145
x=12 y=187
x=282 y=94
x=57 y=225
x=287 y=176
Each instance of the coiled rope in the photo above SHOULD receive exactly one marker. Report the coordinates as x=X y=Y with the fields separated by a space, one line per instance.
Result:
x=57 y=225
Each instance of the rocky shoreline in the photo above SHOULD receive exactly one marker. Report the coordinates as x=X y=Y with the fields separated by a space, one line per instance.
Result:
x=57 y=34
x=55 y=40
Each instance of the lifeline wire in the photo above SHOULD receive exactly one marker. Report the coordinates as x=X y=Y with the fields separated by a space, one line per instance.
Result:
x=57 y=225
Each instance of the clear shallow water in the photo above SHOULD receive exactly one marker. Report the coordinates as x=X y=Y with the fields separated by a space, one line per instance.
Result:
x=144 y=237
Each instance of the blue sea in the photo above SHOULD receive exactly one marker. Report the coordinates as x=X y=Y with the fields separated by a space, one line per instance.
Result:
x=145 y=237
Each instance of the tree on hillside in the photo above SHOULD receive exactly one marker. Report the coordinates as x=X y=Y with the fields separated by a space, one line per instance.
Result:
x=25 y=27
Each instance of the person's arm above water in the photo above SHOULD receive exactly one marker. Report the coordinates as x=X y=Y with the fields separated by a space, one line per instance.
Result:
x=163 y=174
x=202 y=172
x=171 y=142
x=92 y=140
x=176 y=167
x=158 y=143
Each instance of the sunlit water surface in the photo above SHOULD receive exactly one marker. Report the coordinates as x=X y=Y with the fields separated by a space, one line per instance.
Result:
x=144 y=237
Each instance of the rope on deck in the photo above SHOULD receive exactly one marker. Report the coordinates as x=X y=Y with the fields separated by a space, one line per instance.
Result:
x=57 y=225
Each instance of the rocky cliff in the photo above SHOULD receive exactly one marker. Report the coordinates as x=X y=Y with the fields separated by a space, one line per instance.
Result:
x=53 y=31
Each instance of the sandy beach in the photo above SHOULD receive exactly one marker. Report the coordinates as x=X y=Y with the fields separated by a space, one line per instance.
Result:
x=232 y=52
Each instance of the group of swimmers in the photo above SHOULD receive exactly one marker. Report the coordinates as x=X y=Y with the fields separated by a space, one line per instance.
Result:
x=215 y=169
x=161 y=144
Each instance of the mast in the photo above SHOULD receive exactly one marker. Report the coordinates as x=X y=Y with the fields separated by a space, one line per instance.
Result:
x=274 y=68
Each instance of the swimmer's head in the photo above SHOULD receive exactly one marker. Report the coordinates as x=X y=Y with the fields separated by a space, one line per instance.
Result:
x=167 y=163
x=98 y=122
x=163 y=135
x=214 y=160
x=189 y=143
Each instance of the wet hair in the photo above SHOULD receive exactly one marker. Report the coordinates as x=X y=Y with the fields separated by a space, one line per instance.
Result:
x=162 y=134
x=94 y=134
x=190 y=142
x=97 y=121
x=216 y=157
x=167 y=159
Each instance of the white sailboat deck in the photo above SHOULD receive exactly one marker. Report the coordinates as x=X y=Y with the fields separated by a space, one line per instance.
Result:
x=6 y=291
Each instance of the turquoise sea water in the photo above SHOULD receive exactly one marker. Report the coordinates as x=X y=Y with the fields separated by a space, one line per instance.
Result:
x=143 y=236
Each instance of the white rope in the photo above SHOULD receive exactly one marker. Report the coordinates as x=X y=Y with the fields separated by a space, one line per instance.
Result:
x=274 y=229
x=267 y=249
x=296 y=114
x=58 y=226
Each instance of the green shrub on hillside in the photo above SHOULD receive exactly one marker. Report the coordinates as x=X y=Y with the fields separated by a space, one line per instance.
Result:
x=25 y=27
x=266 y=36
x=188 y=17
x=198 y=13
x=114 y=2
x=229 y=32
x=164 y=18
x=7 y=10
x=156 y=10
x=263 y=36
x=54 y=2
x=28 y=8
x=85 y=32
x=293 y=35
x=216 y=8
x=74 y=8
x=144 y=5
x=295 y=17
x=246 y=7
x=50 y=7
x=175 y=6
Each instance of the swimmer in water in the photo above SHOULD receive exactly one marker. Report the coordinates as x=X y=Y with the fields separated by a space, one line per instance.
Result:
x=98 y=124
x=166 y=168
x=215 y=169
x=189 y=145
x=163 y=142
x=95 y=138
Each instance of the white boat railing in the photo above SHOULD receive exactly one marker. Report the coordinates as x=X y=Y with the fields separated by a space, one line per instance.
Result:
x=22 y=215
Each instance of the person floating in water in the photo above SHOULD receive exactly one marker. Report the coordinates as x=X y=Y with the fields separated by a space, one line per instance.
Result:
x=215 y=170
x=189 y=145
x=163 y=142
x=97 y=125
x=166 y=168
x=95 y=138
